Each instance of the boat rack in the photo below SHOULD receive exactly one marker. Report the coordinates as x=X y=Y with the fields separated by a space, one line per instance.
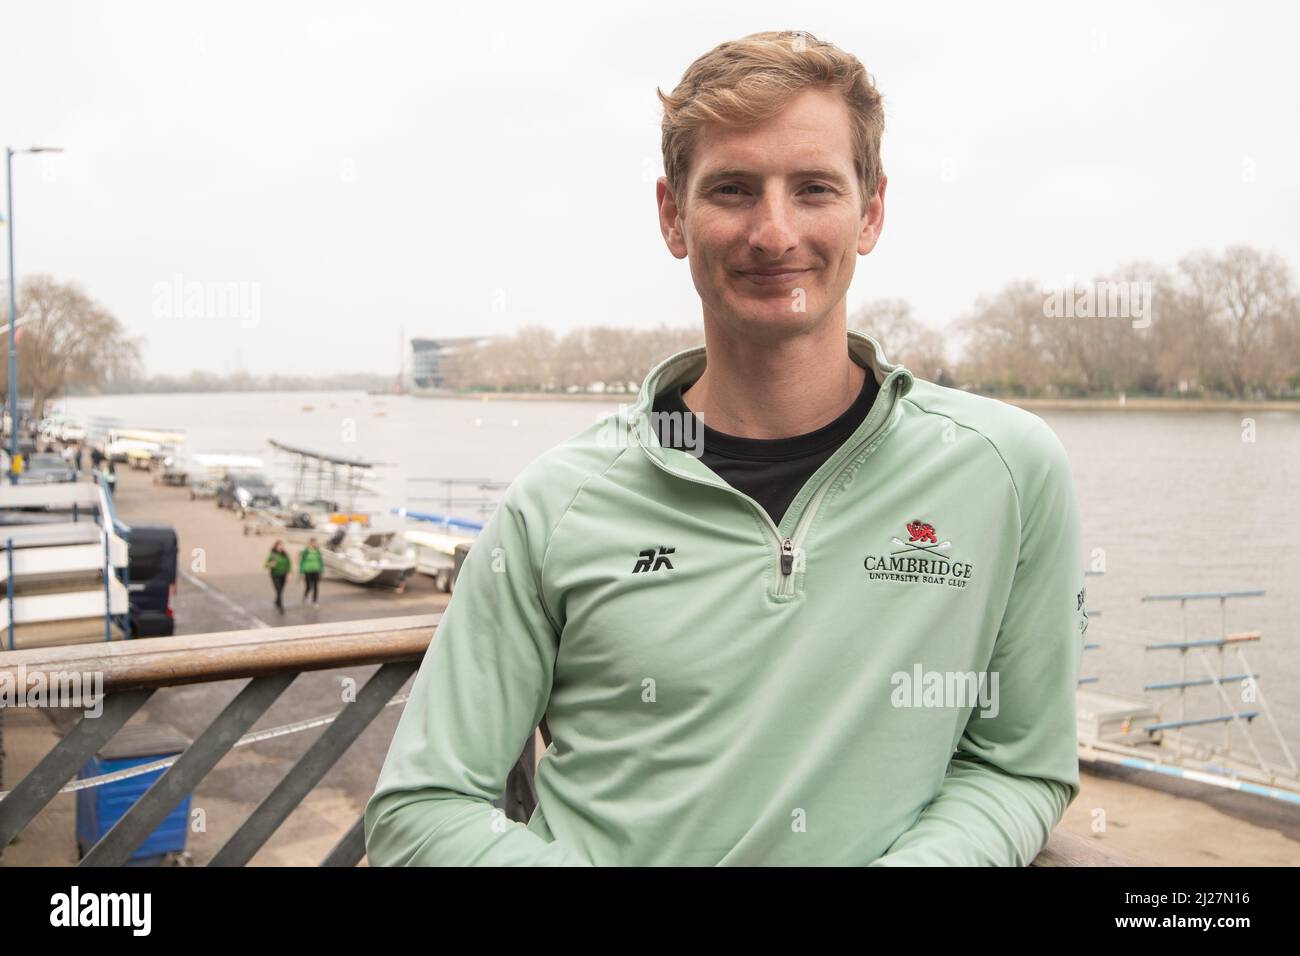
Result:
x=1133 y=733
x=451 y=502
x=65 y=563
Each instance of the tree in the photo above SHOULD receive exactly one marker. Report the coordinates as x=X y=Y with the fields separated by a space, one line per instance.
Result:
x=1110 y=349
x=1008 y=348
x=66 y=339
x=903 y=339
x=1240 y=309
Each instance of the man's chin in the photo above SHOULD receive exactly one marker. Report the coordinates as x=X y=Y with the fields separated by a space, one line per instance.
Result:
x=771 y=320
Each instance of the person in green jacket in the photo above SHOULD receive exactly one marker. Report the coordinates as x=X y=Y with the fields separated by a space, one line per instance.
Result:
x=279 y=564
x=843 y=630
x=310 y=565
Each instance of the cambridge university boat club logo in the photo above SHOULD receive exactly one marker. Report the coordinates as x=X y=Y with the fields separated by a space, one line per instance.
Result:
x=921 y=559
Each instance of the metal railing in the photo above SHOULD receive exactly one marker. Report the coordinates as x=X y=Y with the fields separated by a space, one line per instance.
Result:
x=270 y=658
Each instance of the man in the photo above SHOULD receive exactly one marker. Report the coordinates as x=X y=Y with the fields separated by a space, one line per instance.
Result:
x=843 y=628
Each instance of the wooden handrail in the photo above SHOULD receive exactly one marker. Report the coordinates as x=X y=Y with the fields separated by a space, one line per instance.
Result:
x=227 y=655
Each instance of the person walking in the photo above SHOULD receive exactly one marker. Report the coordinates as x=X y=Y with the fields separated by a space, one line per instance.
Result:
x=279 y=563
x=310 y=565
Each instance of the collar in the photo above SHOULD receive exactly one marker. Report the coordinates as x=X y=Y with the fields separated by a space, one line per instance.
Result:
x=895 y=381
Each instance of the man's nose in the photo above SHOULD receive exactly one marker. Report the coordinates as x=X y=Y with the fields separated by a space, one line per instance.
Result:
x=773 y=229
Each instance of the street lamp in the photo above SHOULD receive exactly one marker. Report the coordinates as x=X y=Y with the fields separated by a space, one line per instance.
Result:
x=13 y=305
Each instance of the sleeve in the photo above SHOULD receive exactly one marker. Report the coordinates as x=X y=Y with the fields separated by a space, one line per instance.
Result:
x=481 y=689
x=1015 y=771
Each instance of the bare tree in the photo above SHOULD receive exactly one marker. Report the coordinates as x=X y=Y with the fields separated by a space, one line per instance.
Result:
x=1108 y=350
x=1240 y=307
x=1008 y=348
x=66 y=340
x=903 y=338
x=535 y=359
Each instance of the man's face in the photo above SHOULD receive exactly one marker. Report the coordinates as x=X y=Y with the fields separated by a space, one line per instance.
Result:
x=772 y=221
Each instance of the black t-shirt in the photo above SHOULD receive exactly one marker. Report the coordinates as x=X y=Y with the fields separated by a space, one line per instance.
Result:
x=772 y=471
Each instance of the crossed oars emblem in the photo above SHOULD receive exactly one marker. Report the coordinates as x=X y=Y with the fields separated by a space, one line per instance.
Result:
x=920 y=531
x=931 y=548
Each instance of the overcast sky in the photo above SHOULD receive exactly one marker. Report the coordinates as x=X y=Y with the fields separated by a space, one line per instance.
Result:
x=363 y=168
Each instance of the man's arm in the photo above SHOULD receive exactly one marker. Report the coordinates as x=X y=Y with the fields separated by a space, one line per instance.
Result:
x=481 y=689
x=1015 y=772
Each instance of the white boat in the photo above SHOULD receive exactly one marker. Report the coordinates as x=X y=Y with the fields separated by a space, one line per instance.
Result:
x=207 y=471
x=376 y=559
x=169 y=467
x=435 y=552
x=135 y=451
x=140 y=447
x=62 y=428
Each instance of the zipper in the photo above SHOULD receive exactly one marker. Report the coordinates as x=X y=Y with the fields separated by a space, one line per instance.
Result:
x=788 y=547
x=795 y=543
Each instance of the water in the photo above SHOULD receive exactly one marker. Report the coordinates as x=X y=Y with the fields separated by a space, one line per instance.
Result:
x=1179 y=502
x=1170 y=502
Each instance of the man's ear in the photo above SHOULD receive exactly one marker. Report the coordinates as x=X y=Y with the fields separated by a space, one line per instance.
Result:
x=670 y=218
x=874 y=220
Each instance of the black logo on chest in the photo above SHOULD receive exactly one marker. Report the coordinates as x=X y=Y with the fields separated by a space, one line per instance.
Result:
x=650 y=561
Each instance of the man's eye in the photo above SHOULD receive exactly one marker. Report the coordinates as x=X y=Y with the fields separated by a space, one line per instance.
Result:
x=828 y=190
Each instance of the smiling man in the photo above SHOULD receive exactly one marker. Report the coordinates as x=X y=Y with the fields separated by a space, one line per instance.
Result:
x=844 y=628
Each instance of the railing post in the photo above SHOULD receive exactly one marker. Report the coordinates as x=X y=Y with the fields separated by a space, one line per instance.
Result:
x=126 y=582
x=108 y=591
x=9 y=549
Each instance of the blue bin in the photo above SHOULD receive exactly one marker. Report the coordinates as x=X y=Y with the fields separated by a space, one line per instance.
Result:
x=99 y=808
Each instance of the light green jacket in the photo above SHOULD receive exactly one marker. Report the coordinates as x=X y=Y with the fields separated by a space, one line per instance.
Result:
x=886 y=677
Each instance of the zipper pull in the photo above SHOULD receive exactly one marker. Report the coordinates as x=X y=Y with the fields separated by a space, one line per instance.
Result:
x=787 y=556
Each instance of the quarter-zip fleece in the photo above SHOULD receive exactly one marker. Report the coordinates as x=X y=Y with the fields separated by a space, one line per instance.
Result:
x=885 y=677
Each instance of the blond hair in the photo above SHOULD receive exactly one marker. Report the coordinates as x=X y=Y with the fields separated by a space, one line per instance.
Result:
x=745 y=81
